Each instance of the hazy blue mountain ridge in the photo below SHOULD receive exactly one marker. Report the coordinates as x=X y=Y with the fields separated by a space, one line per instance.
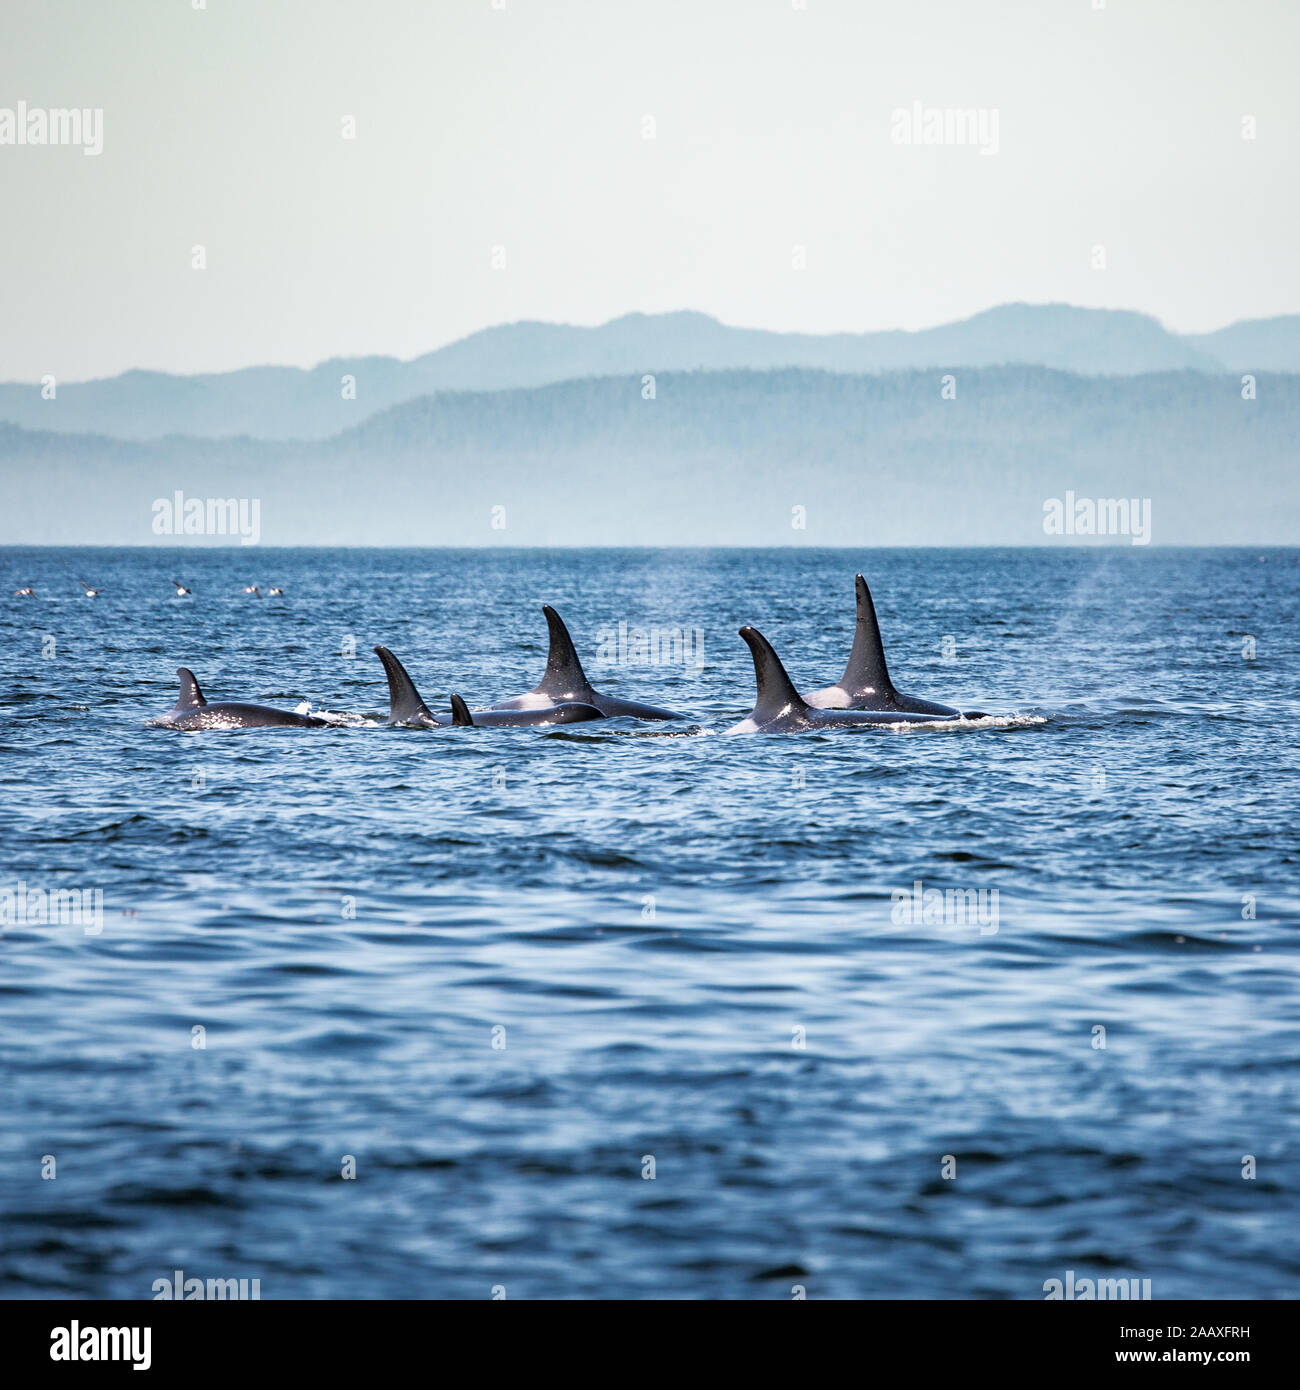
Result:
x=290 y=403
x=715 y=458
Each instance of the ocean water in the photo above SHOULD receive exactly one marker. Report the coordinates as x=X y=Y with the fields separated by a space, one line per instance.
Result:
x=625 y=1010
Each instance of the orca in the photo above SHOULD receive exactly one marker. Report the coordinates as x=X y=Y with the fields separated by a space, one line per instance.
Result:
x=406 y=707
x=192 y=711
x=780 y=709
x=865 y=684
x=564 y=679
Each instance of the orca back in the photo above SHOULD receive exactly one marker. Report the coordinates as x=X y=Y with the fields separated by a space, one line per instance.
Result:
x=404 y=703
x=866 y=672
x=564 y=678
x=191 y=697
x=776 y=693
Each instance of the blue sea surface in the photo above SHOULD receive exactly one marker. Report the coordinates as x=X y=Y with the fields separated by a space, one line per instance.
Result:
x=621 y=1010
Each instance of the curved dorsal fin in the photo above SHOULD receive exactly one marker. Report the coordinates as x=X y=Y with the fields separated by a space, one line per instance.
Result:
x=866 y=672
x=776 y=692
x=460 y=712
x=564 y=674
x=404 y=703
x=191 y=696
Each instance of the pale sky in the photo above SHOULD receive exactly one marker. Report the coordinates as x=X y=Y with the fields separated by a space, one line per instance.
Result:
x=519 y=124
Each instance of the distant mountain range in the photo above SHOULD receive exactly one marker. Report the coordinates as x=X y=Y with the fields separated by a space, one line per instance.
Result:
x=284 y=403
x=716 y=458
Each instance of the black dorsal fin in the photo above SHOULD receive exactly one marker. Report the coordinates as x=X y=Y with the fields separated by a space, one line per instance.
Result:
x=564 y=673
x=460 y=712
x=776 y=692
x=191 y=696
x=866 y=672
x=404 y=703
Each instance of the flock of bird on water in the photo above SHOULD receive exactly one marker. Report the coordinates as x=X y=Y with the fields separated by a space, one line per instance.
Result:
x=864 y=696
x=181 y=590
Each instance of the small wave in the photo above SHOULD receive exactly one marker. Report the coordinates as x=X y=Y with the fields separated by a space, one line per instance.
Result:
x=985 y=721
x=342 y=719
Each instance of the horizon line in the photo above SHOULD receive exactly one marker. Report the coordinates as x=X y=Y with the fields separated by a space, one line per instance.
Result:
x=1105 y=543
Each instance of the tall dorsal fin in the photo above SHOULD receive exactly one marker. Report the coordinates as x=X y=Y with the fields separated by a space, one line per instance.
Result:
x=460 y=712
x=404 y=703
x=564 y=674
x=191 y=697
x=866 y=671
x=776 y=692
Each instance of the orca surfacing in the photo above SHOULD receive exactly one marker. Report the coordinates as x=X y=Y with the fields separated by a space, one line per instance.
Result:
x=780 y=709
x=564 y=679
x=406 y=707
x=191 y=711
x=865 y=684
